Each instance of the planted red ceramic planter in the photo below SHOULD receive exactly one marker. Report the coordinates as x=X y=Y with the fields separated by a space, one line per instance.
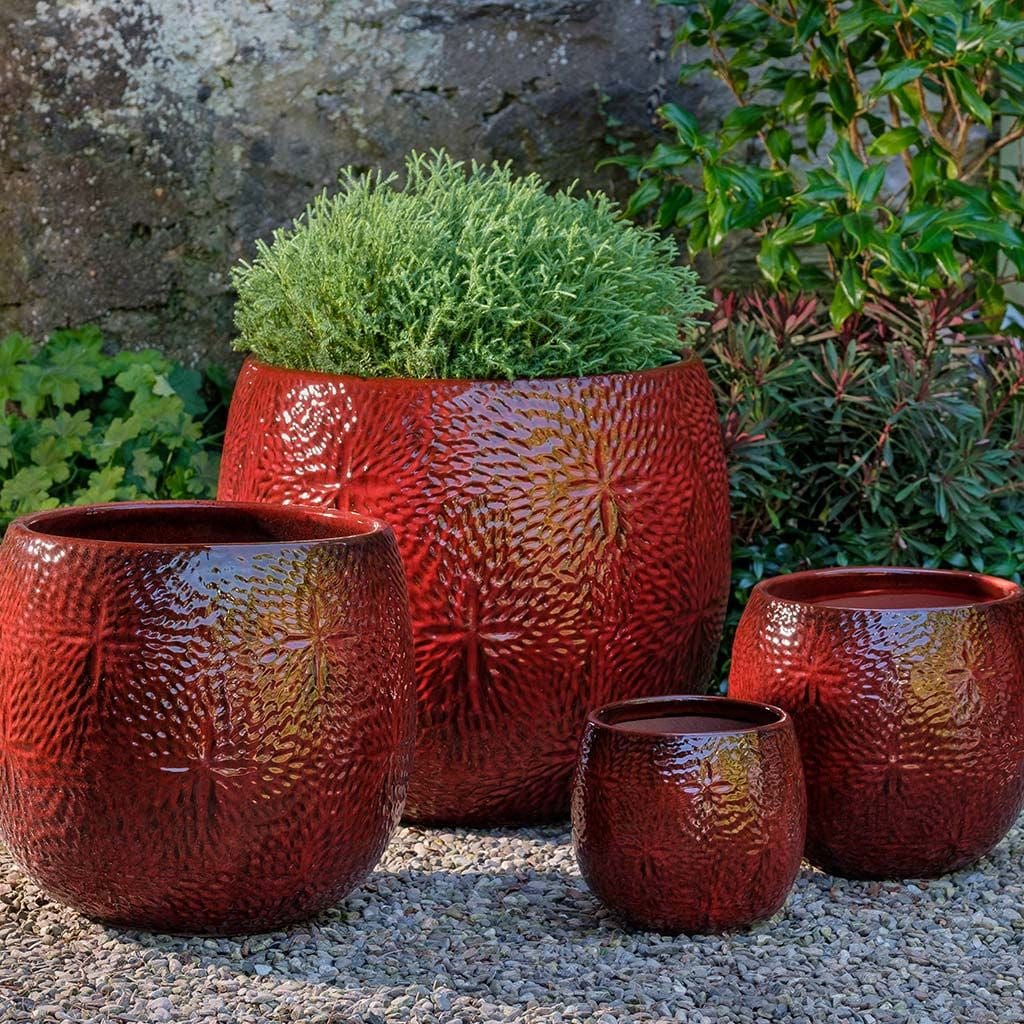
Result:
x=206 y=710
x=907 y=690
x=689 y=812
x=566 y=542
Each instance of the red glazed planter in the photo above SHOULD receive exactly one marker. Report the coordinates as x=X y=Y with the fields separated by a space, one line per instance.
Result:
x=566 y=543
x=907 y=690
x=206 y=711
x=689 y=812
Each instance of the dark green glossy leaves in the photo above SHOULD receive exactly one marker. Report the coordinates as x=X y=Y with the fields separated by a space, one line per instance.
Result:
x=863 y=144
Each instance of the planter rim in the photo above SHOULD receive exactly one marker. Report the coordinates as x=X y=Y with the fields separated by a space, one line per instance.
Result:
x=688 y=357
x=360 y=529
x=985 y=590
x=678 y=705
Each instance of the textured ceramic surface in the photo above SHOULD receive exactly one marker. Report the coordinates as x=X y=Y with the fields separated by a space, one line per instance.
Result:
x=566 y=543
x=699 y=828
x=909 y=709
x=206 y=713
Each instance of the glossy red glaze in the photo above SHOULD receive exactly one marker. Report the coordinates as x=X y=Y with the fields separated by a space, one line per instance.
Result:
x=566 y=543
x=697 y=828
x=905 y=599
x=910 y=713
x=206 y=712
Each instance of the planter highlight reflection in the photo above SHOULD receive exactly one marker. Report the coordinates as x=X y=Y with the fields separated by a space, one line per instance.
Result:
x=206 y=710
x=689 y=812
x=566 y=541
x=907 y=690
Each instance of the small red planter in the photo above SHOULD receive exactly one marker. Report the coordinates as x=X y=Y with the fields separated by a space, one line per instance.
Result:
x=907 y=690
x=689 y=812
x=566 y=542
x=206 y=711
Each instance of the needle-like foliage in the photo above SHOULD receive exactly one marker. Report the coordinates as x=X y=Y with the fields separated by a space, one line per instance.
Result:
x=896 y=440
x=467 y=272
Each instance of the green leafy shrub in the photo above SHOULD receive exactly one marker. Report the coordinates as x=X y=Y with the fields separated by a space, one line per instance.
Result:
x=896 y=441
x=79 y=426
x=864 y=129
x=465 y=273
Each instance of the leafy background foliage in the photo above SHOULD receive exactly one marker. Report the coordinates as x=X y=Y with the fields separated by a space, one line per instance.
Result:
x=897 y=440
x=870 y=415
x=864 y=130
x=80 y=426
x=466 y=272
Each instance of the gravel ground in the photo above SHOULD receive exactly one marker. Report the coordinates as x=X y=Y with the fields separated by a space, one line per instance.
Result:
x=498 y=926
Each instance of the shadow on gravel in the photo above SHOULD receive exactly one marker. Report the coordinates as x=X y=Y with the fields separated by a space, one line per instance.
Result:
x=426 y=927
x=468 y=928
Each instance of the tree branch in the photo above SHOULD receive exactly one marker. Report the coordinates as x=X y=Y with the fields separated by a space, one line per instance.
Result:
x=1000 y=143
x=897 y=122
x=856 y=142
x=776 y=15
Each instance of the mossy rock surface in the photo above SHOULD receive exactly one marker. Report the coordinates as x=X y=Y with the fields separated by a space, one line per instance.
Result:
x=143 y=147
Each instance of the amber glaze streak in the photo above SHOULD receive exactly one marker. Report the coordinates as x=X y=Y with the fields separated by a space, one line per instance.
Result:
x=697 y=828
x=206 y=711
x=910 y=712
x=566 y=542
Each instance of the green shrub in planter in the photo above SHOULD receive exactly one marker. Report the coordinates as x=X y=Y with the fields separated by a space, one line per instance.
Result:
x=463 y=273
x=79 y=426
x=560 y=501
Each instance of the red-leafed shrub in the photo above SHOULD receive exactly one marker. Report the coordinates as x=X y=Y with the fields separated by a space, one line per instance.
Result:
x=898 y=439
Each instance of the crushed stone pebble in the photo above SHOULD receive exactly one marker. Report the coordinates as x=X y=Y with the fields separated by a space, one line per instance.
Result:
x=458 y=926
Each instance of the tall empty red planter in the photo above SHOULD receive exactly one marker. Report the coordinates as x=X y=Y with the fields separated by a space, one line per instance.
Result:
x=566 y=542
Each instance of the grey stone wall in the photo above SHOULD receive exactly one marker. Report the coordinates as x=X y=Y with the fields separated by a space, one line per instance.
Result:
x=145 y=144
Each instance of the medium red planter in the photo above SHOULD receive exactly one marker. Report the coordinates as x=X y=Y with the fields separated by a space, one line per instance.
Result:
x=689 y=812
x=566 y=542
x=206 y=711
x=907 y=690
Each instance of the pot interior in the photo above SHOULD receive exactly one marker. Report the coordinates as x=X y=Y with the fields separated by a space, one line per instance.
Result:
x=196 y=523
x=679 y=716
x=890 y=589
